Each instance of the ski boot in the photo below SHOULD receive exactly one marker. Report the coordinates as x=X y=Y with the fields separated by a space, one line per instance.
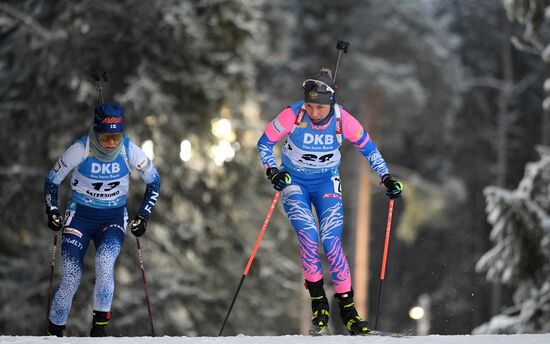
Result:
x=99 y=324
x=353 y=322
x=55 y=330
x=319 y=307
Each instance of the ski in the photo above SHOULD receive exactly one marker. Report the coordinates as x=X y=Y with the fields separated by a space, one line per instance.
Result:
x=325 y=331
x=320 y=331
x=386 y=334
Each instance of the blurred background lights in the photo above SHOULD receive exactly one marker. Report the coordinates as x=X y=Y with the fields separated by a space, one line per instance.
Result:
x=185 y=150
x=251 y=110
x=222 y=152
x=150 y=120
x=221 y=128
x=416 y=313
x=148 y=147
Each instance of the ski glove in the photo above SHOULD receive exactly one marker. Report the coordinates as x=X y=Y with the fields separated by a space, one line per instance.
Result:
x=138 y=226
x=279 y=179
x=55 y=219
x=394 y=187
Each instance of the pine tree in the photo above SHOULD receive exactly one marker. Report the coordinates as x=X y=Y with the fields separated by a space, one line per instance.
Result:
x=521 y=253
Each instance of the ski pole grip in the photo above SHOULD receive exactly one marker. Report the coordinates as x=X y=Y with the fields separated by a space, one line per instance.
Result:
x=342 y=45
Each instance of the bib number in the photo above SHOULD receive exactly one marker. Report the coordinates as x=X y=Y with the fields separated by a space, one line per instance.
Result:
x=337 y=185
x=313 y=157
x=68 y=217
x=109 y=186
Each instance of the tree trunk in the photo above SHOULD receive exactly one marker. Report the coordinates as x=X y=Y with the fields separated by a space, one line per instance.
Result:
x=503 y=119
x=370 y=108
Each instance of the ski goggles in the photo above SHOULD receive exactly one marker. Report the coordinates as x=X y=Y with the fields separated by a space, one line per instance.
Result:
x=319 y=86
x=106 y=137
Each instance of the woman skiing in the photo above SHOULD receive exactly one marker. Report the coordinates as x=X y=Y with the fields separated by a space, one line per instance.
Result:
x=316 y=127
x=101 y=163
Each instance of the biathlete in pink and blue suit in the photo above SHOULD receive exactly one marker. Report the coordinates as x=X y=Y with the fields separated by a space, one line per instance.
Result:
x=316 y=128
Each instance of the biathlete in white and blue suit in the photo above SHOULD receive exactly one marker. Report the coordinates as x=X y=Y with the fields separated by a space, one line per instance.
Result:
x=315 y=129
x=100 y=164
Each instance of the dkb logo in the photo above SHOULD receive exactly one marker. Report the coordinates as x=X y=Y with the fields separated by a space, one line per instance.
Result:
x=105 y=168
x=318 y=139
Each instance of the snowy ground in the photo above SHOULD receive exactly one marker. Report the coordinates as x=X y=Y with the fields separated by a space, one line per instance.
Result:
x=434 y=339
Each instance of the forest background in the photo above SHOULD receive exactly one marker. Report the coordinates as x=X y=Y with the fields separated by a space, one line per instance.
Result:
x=452 y=92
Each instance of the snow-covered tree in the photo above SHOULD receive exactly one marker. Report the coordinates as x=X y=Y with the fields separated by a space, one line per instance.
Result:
x=533 y=15
x=521 y=253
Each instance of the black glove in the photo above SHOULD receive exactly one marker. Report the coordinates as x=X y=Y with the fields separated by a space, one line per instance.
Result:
x=394 y=187
x=55 y=219
x=138 y=226
x=279 y=179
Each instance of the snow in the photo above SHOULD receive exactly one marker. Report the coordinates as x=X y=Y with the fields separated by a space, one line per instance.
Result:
x=242 y=339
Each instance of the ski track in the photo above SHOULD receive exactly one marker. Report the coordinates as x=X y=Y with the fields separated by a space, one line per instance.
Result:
x=294 y=339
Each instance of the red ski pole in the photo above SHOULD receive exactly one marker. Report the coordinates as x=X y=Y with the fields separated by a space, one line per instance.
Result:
x=384 y=259
x=51 y=279
x=247 y=268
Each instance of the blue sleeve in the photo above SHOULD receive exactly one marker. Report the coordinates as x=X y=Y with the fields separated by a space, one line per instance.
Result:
x=152 y=192
x=375 y=159
x=265 y=148
x=51 y=190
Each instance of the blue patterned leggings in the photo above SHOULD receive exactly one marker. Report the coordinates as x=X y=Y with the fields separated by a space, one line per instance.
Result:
x=325 y=195
x=107 y=228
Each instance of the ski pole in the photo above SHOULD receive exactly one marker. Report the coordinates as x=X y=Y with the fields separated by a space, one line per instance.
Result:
x=384 y=259
x=54 y=250
x=342 y=47
x=247 y=268
x=145 y=287
x=98 y=84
